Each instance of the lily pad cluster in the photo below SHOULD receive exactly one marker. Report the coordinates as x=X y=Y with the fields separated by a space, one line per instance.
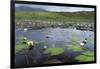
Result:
x=22 y=46
x=53 y=51
x=86 y=56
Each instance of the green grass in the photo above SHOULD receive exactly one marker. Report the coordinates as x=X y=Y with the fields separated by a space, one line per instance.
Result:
x=82 y=16
x=53 y=51
x=74 y=48
x=65 y=19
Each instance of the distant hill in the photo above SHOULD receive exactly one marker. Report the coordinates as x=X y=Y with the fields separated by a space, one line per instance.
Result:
x=26 y=8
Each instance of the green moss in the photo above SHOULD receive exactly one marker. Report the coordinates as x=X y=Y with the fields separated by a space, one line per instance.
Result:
x=82 y=58
x=74 y=48
x=54 y=51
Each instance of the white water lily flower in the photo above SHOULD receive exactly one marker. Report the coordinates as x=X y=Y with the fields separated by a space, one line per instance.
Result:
x=30 y=43
x=25 y=29
x=45 y=46
x=85 y=40
x=81 y=44
x=25 y=38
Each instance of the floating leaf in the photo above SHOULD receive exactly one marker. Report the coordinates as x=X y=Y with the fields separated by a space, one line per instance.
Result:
x=74 y=48
x=20 y=48
x=86 y=56
x=54 y=51
x=75 y=40
x=88 y=53
x=82 y=58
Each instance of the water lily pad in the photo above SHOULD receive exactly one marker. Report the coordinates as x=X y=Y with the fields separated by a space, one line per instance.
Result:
x=74 y=48
x=54 y=51
x=74 y=33
x=82 y=58
x=75 y=40
x=20 y=48
x=88 y=53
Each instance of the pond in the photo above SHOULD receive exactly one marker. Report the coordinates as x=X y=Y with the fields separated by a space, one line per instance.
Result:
x=52 y=38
